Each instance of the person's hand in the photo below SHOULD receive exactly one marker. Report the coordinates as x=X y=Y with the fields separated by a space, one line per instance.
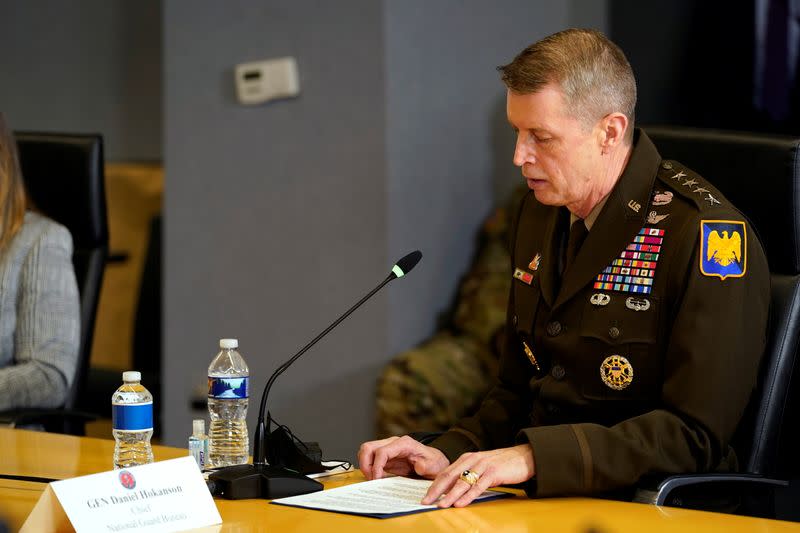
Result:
x=494 y=467
x=401 y=456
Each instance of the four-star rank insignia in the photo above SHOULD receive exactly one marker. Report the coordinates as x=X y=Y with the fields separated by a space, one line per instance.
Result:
x=723 y=248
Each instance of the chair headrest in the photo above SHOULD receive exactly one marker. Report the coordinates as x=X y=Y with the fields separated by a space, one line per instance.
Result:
x=759 y=173
x=64 y=176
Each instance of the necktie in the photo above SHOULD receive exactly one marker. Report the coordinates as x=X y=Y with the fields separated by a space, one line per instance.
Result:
x=577 y=234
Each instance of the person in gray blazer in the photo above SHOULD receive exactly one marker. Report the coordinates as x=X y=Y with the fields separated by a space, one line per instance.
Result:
x=39 y=303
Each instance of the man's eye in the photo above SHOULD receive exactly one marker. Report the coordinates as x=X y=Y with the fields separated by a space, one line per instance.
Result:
x=542 y=139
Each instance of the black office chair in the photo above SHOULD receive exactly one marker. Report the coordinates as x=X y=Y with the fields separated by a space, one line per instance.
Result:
x=147 y=322
x=64 y=176
x=101 y=382
x=760 y=174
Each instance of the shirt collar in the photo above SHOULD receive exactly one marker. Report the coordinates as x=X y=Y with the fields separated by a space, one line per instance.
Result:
x=591 y=217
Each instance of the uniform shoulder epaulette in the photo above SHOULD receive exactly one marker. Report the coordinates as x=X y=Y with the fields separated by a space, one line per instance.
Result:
x=690 y=185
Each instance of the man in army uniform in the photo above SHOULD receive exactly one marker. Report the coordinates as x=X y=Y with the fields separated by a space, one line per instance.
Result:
x=637 y=314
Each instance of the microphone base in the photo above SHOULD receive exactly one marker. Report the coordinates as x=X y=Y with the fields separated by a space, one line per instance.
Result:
x=267 y=482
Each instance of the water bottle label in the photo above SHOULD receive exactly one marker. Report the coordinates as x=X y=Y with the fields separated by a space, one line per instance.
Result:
x=132 y=417
x=228 y=388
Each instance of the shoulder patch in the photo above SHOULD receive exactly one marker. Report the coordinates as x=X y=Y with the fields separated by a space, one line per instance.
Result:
x=723 y=248
x=689 y=184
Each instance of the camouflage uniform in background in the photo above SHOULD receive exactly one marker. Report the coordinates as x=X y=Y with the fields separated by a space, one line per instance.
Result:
x=432 y=386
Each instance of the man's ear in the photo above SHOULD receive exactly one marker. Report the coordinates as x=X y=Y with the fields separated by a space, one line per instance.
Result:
x=612 y=131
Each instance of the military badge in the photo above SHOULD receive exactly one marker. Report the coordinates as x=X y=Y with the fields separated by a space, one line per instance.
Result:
x=662 y=198
x=524 y=277
x=637 y=304
x=723 y=248
x=634 y=205
x=654 y=218
x=599 y=299
x=534 y=264
x=616 y=372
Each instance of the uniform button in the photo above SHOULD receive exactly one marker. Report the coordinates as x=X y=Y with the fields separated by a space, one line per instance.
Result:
x=667 y=165
x=614 y=332
x=558 y=372
x=514 y=320
x=554 y=328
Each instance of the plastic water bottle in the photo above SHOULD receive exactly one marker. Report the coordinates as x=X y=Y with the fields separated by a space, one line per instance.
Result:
x=228 y=378
x=132 y=422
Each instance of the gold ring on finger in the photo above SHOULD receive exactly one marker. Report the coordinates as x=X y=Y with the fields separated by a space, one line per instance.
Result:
x=469 y=477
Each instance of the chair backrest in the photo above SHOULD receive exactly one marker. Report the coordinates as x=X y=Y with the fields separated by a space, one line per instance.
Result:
x=760 y=174
x=64 y=176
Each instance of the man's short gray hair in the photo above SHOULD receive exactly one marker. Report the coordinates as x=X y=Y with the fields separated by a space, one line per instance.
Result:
x=593 y=73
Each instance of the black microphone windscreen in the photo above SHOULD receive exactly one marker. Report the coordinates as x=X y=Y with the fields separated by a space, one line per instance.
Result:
x=406 y=263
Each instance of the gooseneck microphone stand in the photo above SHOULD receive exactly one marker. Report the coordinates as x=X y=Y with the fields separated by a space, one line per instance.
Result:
x=260 y=479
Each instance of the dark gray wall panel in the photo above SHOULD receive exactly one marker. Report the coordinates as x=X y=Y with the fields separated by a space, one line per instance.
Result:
x=85 y=66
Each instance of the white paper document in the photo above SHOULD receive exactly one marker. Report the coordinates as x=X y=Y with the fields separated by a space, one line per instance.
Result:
x=380 y=498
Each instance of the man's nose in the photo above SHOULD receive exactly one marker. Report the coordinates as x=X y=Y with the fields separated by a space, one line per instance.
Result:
x=522 y=154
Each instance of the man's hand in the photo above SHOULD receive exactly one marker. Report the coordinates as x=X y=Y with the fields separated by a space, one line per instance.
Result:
x=401 y=456
x=494 y=467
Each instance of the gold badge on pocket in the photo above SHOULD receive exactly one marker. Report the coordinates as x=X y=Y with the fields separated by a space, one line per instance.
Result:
x=616 y=372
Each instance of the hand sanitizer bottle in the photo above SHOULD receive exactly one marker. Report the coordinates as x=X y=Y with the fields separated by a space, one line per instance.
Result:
x=198 y=443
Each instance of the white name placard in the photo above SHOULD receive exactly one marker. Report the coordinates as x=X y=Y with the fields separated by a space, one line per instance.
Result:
x=159 y=497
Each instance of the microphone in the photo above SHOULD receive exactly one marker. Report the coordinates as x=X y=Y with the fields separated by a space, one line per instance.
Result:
x=274 y=480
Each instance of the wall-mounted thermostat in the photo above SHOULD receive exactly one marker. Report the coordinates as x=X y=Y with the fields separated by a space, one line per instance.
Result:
x=262 y=81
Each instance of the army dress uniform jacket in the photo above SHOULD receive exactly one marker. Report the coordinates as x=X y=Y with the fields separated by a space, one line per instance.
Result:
x=641 y=360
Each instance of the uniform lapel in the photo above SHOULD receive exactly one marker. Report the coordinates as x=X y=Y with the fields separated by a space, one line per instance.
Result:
x=538 y=235
x=618 y=223
x=557 y=221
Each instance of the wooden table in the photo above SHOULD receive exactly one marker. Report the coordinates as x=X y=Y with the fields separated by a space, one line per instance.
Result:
x=48 y=455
